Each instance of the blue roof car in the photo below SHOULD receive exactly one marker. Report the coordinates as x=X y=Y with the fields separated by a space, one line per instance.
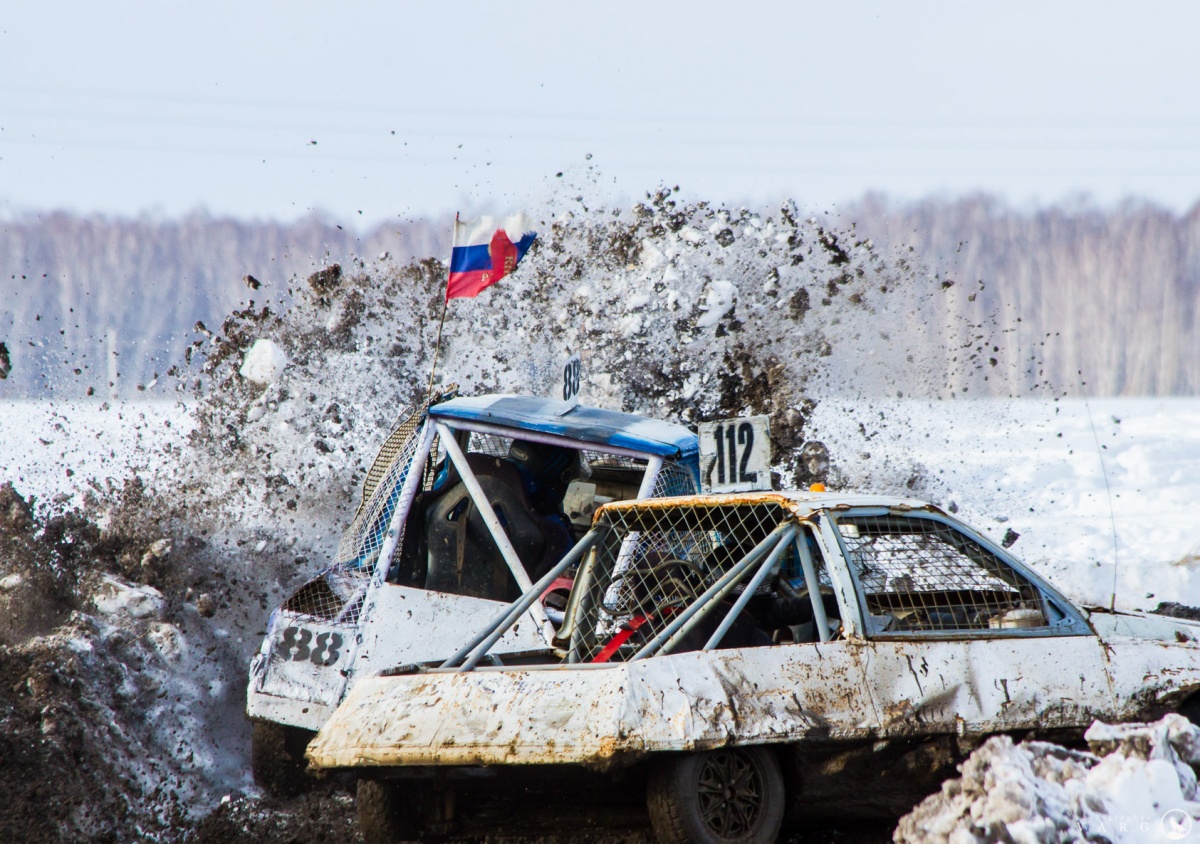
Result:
x=582 y=424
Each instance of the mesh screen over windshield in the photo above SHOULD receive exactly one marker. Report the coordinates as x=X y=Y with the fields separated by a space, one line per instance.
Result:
x=336 y=593
x=920 y=574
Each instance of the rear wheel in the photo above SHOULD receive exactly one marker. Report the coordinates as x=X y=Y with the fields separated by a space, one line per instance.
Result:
x=381 y=817
x=277 y=758
x=719 y=797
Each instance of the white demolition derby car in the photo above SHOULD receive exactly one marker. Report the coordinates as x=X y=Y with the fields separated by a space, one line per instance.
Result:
x=724 y=662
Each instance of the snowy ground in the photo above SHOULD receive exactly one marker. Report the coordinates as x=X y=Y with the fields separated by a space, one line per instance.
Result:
x=1083 y=484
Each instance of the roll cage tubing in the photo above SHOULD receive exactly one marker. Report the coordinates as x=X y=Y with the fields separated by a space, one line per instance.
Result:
x=446 y=430
x=766 y=555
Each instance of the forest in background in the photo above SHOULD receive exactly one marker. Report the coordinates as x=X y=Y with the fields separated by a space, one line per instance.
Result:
x=1096 y=301
x=1113 y=294
x=119 y=299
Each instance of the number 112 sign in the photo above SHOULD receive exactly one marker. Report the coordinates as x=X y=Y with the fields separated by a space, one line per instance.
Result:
x=735 y=454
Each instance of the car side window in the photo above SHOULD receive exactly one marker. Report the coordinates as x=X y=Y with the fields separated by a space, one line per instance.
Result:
x=921 y=575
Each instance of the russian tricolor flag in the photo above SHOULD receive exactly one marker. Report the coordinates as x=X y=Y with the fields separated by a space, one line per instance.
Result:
x=485 y=251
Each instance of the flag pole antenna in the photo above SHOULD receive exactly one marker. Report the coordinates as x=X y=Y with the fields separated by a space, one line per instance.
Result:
x=437 y=346
x=1112 y=515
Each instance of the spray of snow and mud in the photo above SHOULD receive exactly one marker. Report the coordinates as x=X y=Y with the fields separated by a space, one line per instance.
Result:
x=144 y=545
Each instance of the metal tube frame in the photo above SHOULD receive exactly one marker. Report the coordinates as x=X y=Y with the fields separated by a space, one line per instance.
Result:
x=416 y=469
x=814 y=586
x=650 y=477
x=670 y=635
x=493 y=523
x=483 y=641
x=768 y=568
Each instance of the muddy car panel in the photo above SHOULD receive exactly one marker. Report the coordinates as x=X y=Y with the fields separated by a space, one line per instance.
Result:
x=942 y=633
x=599 y=716
x=299 y=674
x=986 y=686
x=1151 y=660
x=834 y=691
x=387 y=640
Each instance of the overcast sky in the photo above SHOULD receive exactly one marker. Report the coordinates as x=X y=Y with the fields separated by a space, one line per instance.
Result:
x=396 y=110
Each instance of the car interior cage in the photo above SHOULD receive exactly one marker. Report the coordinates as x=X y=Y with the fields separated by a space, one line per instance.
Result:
x=654 y=562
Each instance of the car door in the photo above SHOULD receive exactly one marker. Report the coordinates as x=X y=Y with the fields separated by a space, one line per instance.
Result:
x=959 y=637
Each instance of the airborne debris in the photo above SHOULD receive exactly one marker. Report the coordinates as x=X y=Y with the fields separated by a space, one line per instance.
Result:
x=264 y=362
x=323 y=282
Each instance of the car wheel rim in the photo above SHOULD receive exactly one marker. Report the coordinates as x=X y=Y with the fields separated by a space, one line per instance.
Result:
x=730 y=793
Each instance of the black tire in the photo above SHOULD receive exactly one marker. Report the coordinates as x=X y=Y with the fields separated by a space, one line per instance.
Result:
x=1190 y=709
x=722 y=796
x=277 y=758
x=381 y=817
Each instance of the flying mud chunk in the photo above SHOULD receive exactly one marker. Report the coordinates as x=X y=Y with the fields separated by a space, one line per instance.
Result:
x=325 y=281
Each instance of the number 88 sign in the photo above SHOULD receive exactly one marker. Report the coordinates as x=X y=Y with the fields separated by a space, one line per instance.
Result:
x=735 y=454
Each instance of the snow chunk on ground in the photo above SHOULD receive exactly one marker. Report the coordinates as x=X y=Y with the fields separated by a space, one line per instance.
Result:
x=115 y=597
x=264 y=362
x=637 y=301
x=630 y=326
x=719 y=300
x=1135 y=786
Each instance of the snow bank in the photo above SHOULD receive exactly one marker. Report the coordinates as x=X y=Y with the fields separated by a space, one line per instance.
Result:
x=1135 y=786
x=116 y=597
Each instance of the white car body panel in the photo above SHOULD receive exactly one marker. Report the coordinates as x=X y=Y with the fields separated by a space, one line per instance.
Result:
x=293 y=679
x=604 y=715
x=397 y=613
x=983 y=686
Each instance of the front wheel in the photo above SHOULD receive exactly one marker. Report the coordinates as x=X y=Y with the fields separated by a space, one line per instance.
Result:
x=277 y=758
x=719 y=797
x=381 y=817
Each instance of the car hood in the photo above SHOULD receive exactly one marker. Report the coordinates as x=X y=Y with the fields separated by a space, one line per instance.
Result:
x=595 y=716
x=1126 y=624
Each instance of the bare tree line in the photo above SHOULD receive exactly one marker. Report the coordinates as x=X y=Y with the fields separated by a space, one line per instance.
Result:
x=1054 y=300
x=121 y=296
x=1080 y=300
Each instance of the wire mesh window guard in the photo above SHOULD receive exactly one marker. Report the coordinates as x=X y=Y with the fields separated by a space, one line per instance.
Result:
x=336 y=593
x=652 y=563
x=921 y=575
